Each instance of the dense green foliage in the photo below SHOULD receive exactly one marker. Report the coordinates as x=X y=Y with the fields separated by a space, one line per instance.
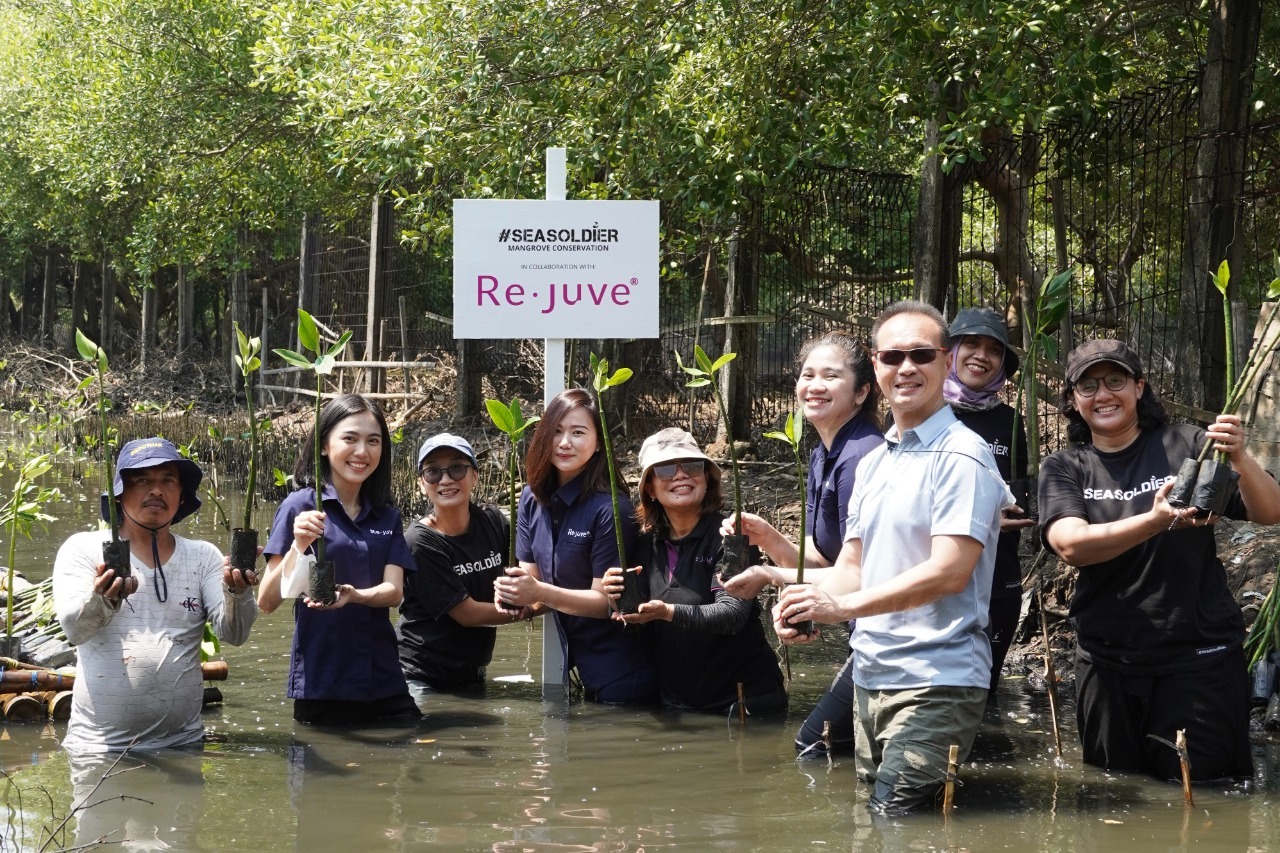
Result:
x=155 y=130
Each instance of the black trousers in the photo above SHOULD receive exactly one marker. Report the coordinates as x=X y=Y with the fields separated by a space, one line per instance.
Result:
x=1116 y=711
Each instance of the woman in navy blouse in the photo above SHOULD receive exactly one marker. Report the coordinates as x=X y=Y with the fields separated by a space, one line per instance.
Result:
x=837 y=391
x=565 y=542
x=344 y=666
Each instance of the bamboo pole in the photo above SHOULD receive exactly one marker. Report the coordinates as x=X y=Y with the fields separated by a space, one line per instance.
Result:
x=29 y=681
x=949 y=789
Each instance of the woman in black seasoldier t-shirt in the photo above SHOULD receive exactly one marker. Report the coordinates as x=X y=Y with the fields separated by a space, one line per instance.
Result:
x=1159 y=637
x=447 y=619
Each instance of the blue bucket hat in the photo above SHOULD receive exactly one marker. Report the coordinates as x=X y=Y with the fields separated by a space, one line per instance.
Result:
x=148 y=453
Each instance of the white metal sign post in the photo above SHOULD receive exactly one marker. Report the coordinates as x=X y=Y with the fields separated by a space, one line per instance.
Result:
x=554 y=269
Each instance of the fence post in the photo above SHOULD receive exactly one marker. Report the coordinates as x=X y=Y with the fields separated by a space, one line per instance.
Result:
x=373 y=342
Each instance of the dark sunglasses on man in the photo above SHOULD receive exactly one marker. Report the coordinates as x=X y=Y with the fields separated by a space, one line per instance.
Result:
x=920 y=355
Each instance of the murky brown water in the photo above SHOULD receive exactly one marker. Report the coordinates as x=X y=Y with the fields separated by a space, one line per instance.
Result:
x=507 y=771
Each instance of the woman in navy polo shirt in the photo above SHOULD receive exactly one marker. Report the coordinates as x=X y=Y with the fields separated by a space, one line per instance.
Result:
x=344 y=667
x=836 y=389
x=565 y=542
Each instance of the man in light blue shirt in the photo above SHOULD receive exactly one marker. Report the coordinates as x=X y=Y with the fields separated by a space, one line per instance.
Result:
x=915 y=572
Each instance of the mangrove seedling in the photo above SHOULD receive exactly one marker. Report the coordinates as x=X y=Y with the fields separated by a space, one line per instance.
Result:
x=115 y=554
x=1206 y=483
x=791 y=434
x=322 y=584
x=602 y=381
x=23 y=510
x=703 y=372
x=512 y=423
x=1051 y=309
x=244 y=539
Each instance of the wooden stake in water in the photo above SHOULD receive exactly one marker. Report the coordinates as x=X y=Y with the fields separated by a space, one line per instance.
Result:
x=742 y=705
x=949 y=790
x=826 y=739
x=1050 y=676
x=1184 y=760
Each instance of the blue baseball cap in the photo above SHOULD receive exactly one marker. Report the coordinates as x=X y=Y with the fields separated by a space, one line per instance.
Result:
x=984 y=321
x=449 y=441
x=148 y=453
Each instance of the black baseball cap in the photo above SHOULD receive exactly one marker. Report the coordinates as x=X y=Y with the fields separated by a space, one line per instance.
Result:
x=1090 y=353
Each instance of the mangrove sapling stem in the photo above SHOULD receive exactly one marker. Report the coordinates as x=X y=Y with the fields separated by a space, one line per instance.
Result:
x=742 y=705
x=321 y=365
x=512 y=423
x=1050 y=675
x=248 y=360
x=90 y=351
x=602 y=382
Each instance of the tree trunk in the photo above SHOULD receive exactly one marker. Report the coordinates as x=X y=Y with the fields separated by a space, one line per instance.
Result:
x=1006 y=176
x=108 y=305
x=737 y=378
x=936 y=238
x=1213 y=213
x=49 y=297
x=186 y=311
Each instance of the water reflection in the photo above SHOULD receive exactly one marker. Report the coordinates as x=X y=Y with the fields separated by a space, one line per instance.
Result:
x=152 y=801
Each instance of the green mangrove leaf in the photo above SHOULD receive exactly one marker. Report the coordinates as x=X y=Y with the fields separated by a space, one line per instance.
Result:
x=701 y=358
x=697 y=383
x=308 y=334
x=622 y=374
x=296 y=359
x=88 y=349
x=1221 y=278
x=722 y=361
x=341 y=344
x=692 y=371
x=503 y=418
x=85 y=383
x=1273 y=289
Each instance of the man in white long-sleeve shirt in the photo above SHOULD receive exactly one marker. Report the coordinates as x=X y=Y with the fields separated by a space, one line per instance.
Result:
x=138 y=639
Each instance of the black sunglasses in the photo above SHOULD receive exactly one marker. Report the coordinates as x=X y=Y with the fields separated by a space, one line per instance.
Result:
x=920 y=355
x=690 y=467
x=456 y=472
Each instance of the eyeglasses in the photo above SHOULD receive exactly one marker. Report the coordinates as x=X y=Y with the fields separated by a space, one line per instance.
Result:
x=690 y=467
x=456 y=472
x=1089 y=386
x=920 y=355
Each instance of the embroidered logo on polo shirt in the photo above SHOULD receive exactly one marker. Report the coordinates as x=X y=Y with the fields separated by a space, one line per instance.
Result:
x=190 y=605
x=379 y=532
x=578 y=534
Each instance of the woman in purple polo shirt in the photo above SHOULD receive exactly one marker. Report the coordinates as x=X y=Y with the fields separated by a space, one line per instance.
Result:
x=836 y=389
x=565 y=542
x=344 y=667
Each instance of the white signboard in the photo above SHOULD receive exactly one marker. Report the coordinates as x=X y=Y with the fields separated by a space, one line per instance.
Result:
x=555 y=269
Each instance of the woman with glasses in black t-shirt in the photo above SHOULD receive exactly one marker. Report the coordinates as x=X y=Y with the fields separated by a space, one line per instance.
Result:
x=1159 y=637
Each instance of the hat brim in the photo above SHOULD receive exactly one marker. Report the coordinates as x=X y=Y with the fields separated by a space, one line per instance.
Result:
x=189 y=474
